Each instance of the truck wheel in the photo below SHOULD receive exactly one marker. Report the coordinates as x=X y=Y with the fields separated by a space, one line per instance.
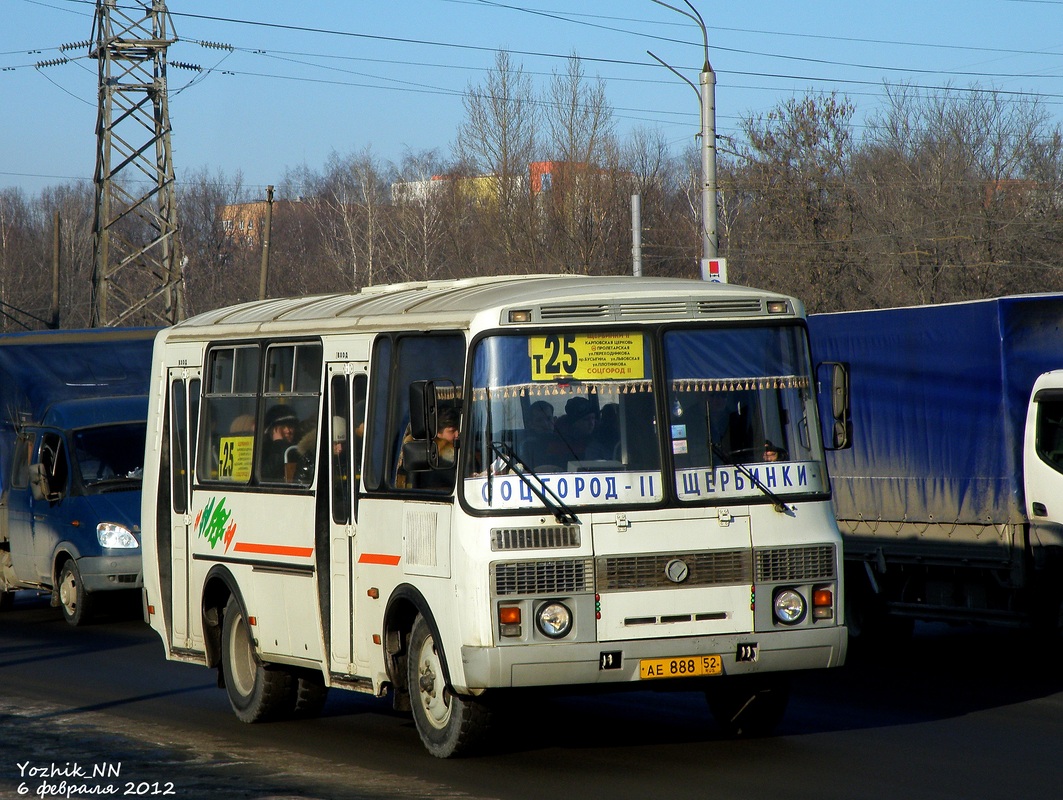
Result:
x=257 y=691
x=749 y=705
x=310 y=693
x=449 y=724
x=75 y=601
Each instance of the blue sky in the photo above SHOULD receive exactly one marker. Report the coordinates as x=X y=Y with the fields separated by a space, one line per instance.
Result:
x=308 y=79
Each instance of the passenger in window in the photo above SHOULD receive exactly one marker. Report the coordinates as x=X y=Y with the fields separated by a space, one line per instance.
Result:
x=356 y=440
x=340 y=484
x=446 y=445
x=576 y=426
x=773 y=452
x=540 y=417
x=605 y=439
x=447 y=435
x=279 y=436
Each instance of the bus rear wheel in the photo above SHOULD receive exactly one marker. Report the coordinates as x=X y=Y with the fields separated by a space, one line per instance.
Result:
x=310 y=693
x=257 y=691
x=449 y=724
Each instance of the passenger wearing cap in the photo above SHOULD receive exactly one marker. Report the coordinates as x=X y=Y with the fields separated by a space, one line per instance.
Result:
x=576 y=426
x=773 y=452
x=279 y=437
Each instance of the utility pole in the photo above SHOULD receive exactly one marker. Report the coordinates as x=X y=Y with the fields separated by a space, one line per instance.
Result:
x=267 y=232
x=136 y=275
x=636 y=235
x=710 y=239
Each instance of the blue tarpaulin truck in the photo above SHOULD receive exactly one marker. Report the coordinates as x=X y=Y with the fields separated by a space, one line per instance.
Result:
x=950 y=500
x=73 y=406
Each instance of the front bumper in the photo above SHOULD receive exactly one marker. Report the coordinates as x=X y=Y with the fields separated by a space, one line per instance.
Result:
x=618 y=662
x=108 y=573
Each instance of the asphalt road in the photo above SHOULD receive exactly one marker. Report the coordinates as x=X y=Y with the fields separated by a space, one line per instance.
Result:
x=954 y=713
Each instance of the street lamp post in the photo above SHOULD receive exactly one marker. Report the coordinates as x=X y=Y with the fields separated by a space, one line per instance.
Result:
x=707 y=98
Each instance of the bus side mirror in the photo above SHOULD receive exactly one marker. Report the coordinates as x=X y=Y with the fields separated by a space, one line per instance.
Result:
x=840 y=405
x=418 y=454
x=422 y=409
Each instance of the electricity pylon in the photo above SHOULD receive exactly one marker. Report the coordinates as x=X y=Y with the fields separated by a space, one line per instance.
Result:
x=136 y=272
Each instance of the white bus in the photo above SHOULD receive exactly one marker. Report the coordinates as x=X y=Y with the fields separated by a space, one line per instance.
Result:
x=446 y=490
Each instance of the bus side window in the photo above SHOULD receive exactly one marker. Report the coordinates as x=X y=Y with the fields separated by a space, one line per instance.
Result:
x=438 y=358
x=227 y=440
x=288 y=436
x=347 y=419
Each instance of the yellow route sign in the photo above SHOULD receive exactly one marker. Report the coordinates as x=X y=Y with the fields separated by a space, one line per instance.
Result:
x=587 y=356
x=234 y=458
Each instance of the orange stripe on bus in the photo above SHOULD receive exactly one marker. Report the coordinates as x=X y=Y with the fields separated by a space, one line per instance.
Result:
x=378 y=558
x=273 y=549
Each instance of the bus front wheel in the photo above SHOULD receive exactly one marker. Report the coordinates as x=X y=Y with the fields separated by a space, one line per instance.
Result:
x=257 y=691
x=449 y=724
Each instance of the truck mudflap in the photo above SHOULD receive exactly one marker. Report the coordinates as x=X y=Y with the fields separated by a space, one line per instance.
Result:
x=642 y=661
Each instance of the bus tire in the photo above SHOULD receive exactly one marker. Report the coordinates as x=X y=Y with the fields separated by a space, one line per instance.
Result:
x=75 y=601
x=449 y=724
x=310 y=693
x=257 y=691
x=749 y=706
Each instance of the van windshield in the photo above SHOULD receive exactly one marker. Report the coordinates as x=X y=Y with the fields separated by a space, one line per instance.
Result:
x=110 y=456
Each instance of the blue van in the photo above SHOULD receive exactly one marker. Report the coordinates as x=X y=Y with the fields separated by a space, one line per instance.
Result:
x=73 y=406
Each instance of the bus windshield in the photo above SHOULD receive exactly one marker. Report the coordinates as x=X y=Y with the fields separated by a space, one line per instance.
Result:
x=575 y=410
x=589 y=419
x=741 y=413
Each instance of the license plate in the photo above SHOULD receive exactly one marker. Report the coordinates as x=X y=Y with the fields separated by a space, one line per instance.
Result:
x=685 y=667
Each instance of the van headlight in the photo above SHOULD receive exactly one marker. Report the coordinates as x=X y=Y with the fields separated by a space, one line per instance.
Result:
x=116 y=536
x=554 y=619
x=789 y=606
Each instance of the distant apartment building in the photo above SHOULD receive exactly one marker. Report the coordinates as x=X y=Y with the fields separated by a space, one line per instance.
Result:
x=483 y=189
x=242 y=223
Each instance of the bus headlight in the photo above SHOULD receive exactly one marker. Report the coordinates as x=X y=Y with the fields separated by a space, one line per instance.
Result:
x=554 y=619
x=116 y=536
x=789 y=606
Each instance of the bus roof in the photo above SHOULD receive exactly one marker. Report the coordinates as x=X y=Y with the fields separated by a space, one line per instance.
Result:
x=457 y=303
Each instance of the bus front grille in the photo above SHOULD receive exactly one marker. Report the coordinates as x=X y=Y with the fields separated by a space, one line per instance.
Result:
x=659 y=571
x=560 y=576
x=792 y=564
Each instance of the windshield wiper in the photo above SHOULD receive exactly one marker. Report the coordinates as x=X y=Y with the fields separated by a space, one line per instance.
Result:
x=562 y=513
x=777 y=502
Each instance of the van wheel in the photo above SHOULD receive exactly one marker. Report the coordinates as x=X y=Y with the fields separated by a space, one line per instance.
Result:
x=257 y=691
x=749 y=706
x=449 y=724
x=75 y=601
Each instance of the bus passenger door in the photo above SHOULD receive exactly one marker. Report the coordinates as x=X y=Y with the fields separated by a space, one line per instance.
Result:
x=174 y=561
x=346 y=416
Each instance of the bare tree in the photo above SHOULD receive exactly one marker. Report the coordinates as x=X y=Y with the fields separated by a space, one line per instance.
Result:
x=580 y=207
x=419 y=227
x=794 y=178
x=497 y=140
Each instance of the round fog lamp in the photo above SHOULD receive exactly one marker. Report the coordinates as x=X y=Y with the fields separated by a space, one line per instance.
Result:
x=789 y=606
x=554 y=620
